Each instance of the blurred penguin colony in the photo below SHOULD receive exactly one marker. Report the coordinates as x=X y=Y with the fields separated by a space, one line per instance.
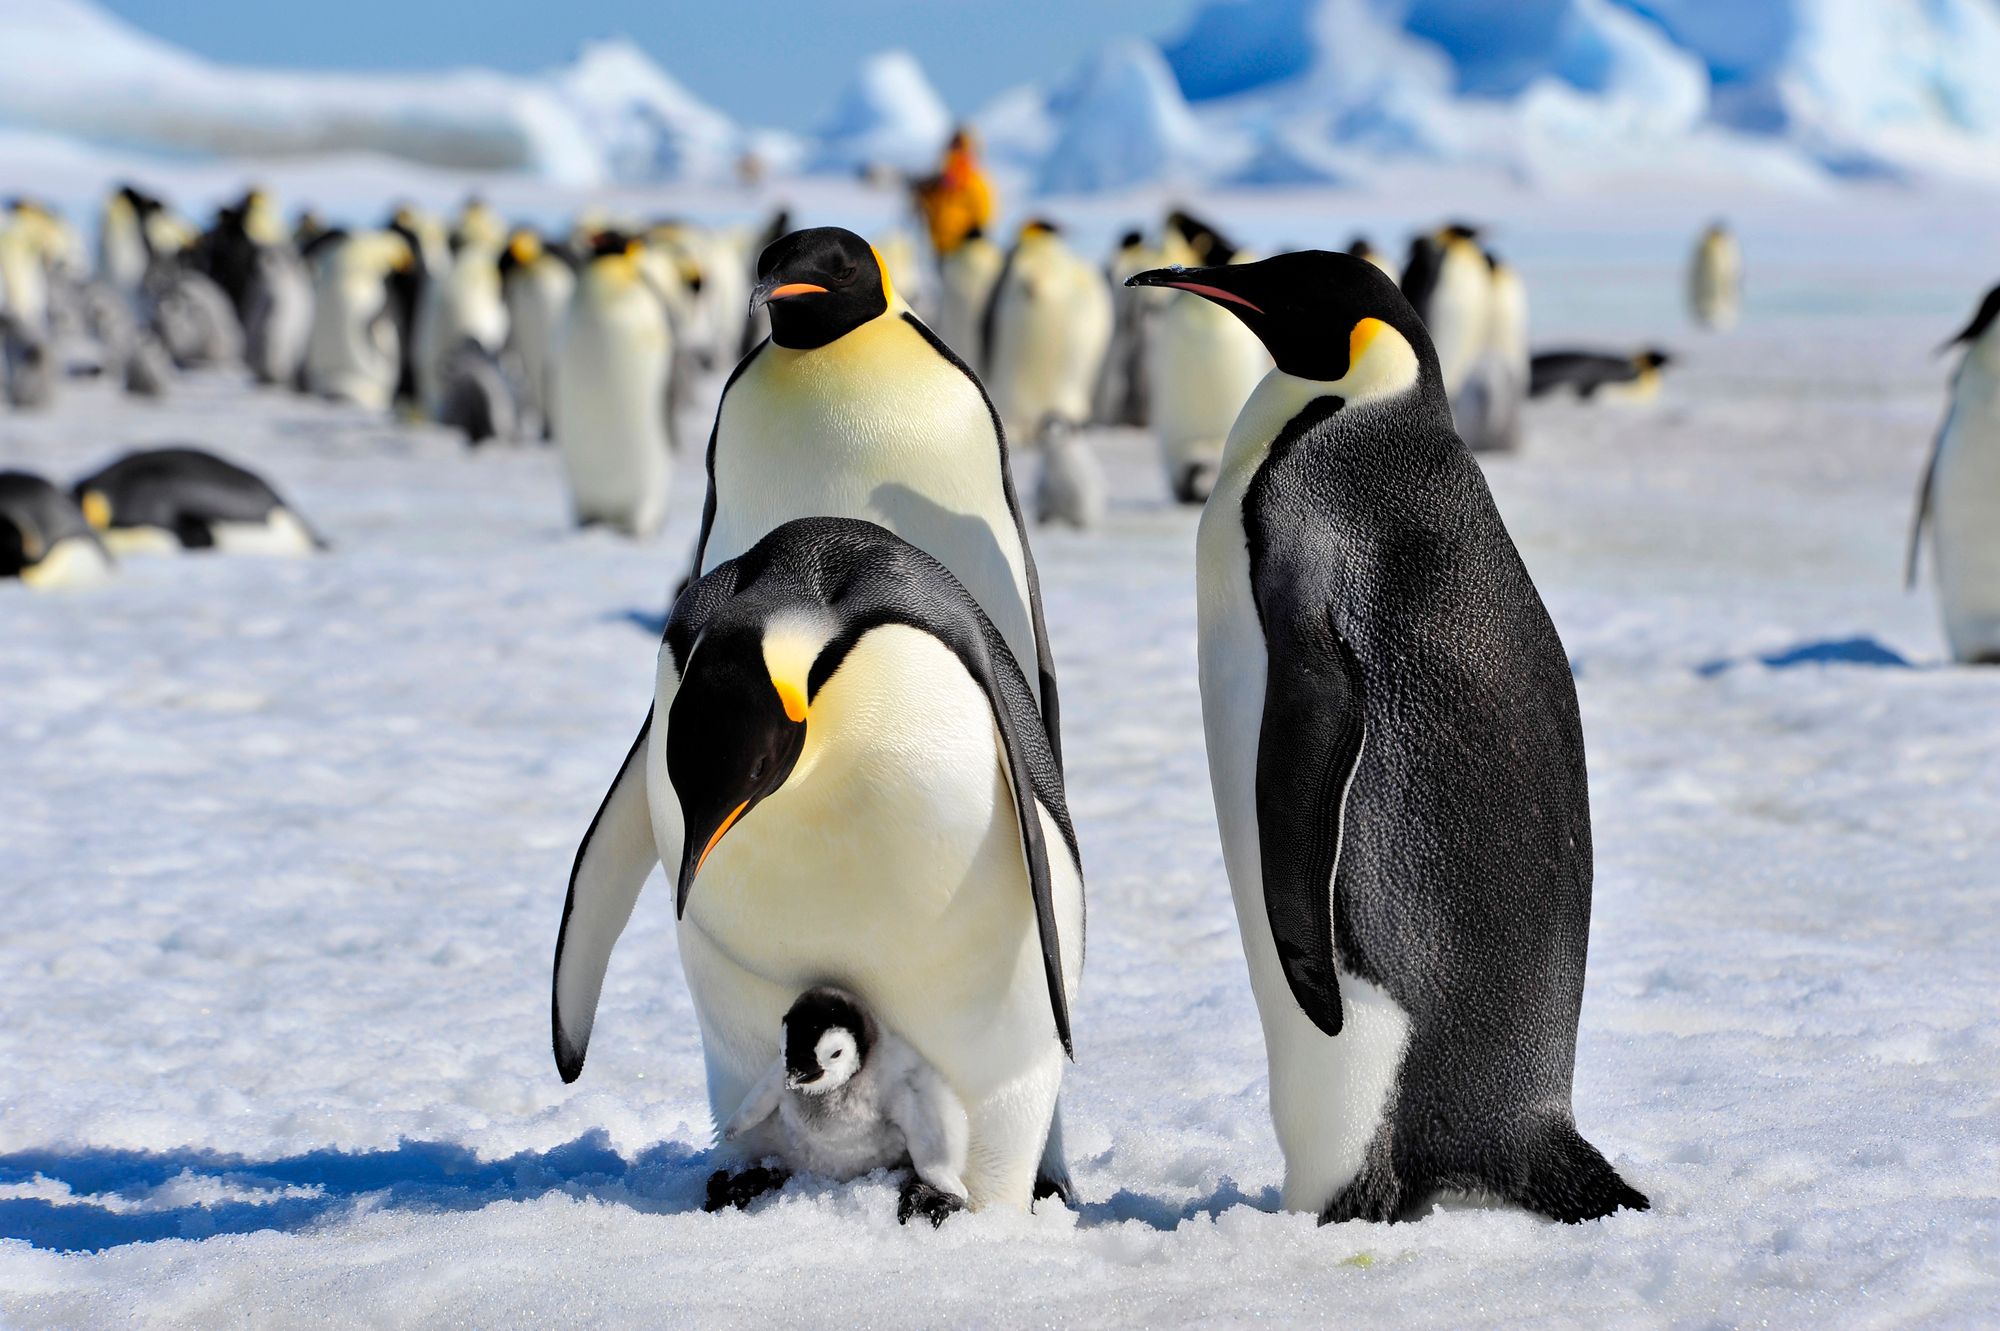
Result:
x=594 y=340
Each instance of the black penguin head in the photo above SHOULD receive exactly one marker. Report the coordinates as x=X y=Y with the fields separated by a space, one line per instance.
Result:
x=820 y=285
x=1131 y=240
x=827 y=1038
x=1652 y=358
x=1315 y=311
x=733 y=736
x=1982 y=320
x=1359 y=247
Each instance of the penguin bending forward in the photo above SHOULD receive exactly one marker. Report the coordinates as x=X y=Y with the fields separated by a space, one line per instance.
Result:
x=1960 y=495
x=44 y=539
x=854 y=408
x=1398 y=769
x=847 y=780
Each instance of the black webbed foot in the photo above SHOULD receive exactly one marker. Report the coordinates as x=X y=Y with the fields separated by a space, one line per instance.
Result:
x=921 y=1199
x=741 y=1188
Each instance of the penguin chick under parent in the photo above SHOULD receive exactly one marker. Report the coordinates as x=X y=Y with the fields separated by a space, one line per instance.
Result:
x=847 y=1097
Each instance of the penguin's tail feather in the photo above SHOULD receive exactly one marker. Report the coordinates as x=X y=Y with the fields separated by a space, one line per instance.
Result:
x=1566 y=1179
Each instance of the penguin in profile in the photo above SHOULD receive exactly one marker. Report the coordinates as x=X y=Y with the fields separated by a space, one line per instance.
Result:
x=537 y=283
x=1201 y=367
x=1398 y=769
x=27 y=364
x=1045 y=332
x=164 y=500
x=845 y=775
x=44 y=539
x=757 y=319
x=1715 y=279
x=611 y=392
x=1960 y=496
x=1623 y=378
x=854 y=408
x=1448 y=282
x=278 y=314
x=1488 y=410
x=354 y=350
x=966 y=278
x=849 y=1096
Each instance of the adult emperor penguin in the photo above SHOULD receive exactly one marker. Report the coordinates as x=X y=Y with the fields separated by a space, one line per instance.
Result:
x=163 y=500
x=1715 y=279
x=1450 y=284
x=966 y=277
x=611 y=392
x=845 y=775
x=1045 y=333
x=854 y=408
x=1398 y=769
x=460 y=303
x=1488 y=410
x=1120 y=396
x=1960 y=495
x=1201 y=366
x=45 y=540
x=353 y=353
x=537 y=283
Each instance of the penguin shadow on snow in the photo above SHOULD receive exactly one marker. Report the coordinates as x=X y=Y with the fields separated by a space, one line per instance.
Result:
x=1856 y=651
x=90 y=1199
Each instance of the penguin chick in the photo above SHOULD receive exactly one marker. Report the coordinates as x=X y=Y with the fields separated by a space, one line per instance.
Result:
x=850 y=1096
x=1071 y=488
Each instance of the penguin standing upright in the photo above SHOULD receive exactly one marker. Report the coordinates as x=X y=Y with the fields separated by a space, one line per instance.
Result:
x=1045 y=333
x=1360 y=248
x=845 y=775
x=354 y=351
x=459 y=305
x=1450 y=285
x=1960 y=495
x=1715 y=279
x=1488 y=410
x=1398 y=767
x=1201 y=366
x=965 y=288
x=537 y=283
x=278 y=314
x=611 y=392
x=45 y=541
x=1121 y=394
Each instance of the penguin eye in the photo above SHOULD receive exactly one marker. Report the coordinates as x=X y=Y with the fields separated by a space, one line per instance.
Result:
x=845 y=277
x=757 y=770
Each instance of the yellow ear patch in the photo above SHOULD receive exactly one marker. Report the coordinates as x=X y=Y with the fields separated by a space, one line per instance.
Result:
x=790 y=648
x=888 y=287
x=97 y=510
x=1360 y=339
x=792 y=698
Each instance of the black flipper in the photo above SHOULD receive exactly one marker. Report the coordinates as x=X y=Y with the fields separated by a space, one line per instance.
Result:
x=1312 y=738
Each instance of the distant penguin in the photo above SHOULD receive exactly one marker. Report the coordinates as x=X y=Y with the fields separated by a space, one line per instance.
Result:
x=278 y=315
x=1361 y=249
x=537 y=283
x=611 y=393
x=1071 y=488
x=965 y=288
x=353 y=353
x=1046 y=333
x=1715 y=279
x=27 y=364
x=24 y=280
x=1448 y=282
x=845 y=776
x=1398 y=765
x=1589 y=374
x=126 y=237
x=1960 y=495
x=898 y=249
x=1488 y=409
x=163 y=500
x=194 y=317
x=480 y=399
x=149 y=370
x=1201 y=367
x=849 y=1096
x=44 y=539
x=459 y=304
x=757 y=325
x=1121 y=394
x=411 y=289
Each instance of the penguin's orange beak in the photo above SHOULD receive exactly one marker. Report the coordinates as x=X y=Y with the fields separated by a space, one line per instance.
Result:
x=793 y=289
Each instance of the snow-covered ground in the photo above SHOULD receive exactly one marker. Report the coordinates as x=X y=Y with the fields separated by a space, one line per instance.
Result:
x=283 y=845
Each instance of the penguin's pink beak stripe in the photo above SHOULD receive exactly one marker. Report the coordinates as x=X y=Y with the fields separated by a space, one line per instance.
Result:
x=1213 y=293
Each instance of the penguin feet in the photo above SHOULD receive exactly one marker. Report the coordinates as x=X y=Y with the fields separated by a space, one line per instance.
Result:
x=921 y=1199
x=1047 y=1186
x=741 y=1188
x=1375 y=1194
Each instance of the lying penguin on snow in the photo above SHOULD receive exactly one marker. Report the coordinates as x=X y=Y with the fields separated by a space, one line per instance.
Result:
x=851 y=1097
x=162 y=500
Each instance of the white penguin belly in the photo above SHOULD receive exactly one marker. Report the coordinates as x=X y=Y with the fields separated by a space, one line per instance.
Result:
x=892 y=868
x=1328 y=1094
x=344 y=358
x=1965 y=537
x=610 y=407
x=879 y=426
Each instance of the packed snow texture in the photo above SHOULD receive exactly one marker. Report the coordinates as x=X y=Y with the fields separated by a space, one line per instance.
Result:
x=285 y=846
x=1571 y=94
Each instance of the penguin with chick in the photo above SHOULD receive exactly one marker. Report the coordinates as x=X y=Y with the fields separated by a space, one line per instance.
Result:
x=850 y=1096
x=45 y=540
x=1398 y=769
x=845 y=775
x=165 y=500
x=1960 y=495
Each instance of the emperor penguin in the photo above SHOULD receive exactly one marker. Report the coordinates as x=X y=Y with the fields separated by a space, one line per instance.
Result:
x=1201 y=366
x=1398 y=769
x=851 y=1096
x=1120 y=397
x=164 y=500
x=845 y=775
x=278 y=314
x=132 y=224
x=1360 y=248
x=1046 y=332
x=1960 y=496
x=461 y=303
x=45 y=540
x=354 y=350
x=1616 y=376
x=966 y=277
x=611 y=392
x=537 y=283
x=1715 y=279
x=854 y=408
x=1488 y=410
x=1450 y=284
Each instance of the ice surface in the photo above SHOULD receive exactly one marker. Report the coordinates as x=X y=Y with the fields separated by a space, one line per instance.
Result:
x=283 y=845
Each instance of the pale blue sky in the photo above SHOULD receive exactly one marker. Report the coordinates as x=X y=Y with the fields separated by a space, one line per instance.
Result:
x=776 y=62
